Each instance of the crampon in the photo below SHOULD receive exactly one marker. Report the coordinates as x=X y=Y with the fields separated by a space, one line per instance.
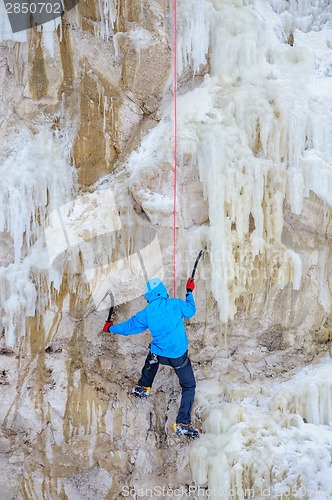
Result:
x=186 y=430
x=140 y=391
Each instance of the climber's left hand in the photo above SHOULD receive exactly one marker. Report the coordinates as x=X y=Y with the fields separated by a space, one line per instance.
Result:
x=107 y=325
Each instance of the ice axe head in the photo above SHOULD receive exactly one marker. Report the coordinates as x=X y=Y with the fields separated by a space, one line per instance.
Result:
x=110 y=312
x=196 y=262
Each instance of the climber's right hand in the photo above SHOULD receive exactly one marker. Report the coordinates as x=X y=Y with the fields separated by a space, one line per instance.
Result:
x=190 y=285
x=107 y=325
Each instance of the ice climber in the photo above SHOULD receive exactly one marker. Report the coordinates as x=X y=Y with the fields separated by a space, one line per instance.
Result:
x=169 y=346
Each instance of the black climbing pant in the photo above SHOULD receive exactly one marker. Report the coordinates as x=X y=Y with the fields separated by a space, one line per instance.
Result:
x=184 y=371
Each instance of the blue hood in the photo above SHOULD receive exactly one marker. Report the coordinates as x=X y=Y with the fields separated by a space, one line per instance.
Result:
x=155 y=289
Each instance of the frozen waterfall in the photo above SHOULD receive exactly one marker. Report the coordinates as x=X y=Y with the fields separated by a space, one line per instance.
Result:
x=254 y=126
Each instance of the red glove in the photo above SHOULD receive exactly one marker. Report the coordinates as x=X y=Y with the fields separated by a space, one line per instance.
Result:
x=107 y=325
x=190 y=285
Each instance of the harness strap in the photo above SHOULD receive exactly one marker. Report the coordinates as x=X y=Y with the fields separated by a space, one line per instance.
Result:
x=153 y=359
x=182 y=366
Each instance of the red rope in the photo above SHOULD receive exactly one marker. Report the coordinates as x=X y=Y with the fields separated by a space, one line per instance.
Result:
x=175 y=143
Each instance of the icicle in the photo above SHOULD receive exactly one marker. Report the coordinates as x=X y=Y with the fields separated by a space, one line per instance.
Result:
x=309 y=393
x=194 y=32
x=272 y=428
x=108 y=13
x=25 y=193
x=296 y=264
x=35 y=178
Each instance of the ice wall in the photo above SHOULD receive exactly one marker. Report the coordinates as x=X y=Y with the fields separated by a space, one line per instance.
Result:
x=267 y=440
x=66 y=78
x=258 y=128
x=35 y=178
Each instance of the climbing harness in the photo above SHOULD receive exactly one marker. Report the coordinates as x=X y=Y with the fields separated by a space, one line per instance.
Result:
x=153 y=359
x=183 y=365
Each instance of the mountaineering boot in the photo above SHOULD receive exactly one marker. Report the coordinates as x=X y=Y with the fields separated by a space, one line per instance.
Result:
x=186 y=430
x=140 y=391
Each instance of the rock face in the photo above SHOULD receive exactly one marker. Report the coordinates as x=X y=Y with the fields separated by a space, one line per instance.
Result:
x=87 y=164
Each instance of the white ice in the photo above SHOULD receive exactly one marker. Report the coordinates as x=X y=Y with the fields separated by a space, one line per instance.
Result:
x=35 y=178
x=273 y=437
x=259 y=129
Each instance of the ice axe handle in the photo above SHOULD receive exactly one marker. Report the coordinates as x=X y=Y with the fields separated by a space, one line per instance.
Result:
x=110 y=314
x=196 y=262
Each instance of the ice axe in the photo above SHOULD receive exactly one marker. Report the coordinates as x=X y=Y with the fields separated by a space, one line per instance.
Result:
x=196 y=262
x=110 y=312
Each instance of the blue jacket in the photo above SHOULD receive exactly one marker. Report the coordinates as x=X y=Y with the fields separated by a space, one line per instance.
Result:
x=164 y=318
